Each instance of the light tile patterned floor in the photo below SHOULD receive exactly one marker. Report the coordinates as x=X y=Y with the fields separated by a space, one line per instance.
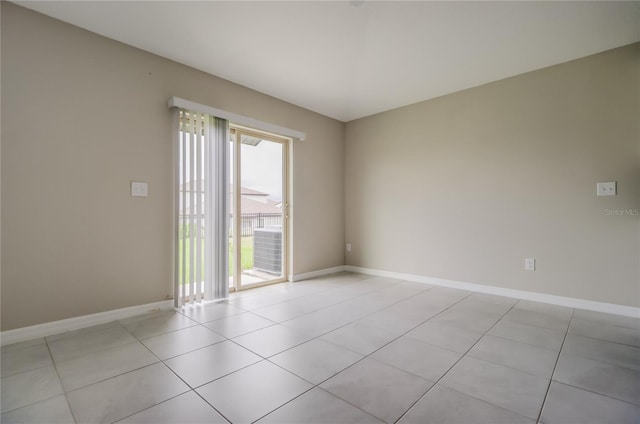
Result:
x=346 y=348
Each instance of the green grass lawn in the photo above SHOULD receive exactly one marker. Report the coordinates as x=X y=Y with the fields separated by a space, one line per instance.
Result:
x=246 y=255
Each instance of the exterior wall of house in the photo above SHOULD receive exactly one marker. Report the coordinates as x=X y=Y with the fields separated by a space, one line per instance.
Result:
x=82 y=116
x=466 y=186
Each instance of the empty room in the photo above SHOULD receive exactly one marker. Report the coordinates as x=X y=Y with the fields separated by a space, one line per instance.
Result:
x=320 y=212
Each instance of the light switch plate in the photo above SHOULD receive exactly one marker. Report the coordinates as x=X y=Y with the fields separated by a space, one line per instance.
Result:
x=606 y=189
x=139 y=189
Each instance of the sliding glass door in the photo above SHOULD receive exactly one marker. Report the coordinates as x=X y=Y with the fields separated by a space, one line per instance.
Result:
x=231 y=204
x=259 y=209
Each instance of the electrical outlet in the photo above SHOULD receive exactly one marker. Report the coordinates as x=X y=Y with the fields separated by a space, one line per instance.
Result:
x=139 y=189
x=529 y=264
x=348 y=247
x=606 y=189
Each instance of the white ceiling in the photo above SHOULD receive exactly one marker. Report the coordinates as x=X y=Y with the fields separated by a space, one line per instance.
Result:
x=352 y=59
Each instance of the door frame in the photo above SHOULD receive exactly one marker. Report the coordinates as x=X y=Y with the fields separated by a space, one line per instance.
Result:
x=237 y=131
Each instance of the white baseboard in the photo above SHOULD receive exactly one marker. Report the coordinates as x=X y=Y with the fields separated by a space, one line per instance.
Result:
x=50 y=328
x=55 y=327
x=610 y=308
x=318 y=273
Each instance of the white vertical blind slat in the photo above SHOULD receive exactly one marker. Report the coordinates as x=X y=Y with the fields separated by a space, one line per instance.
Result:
x=183 y=241
x=221 y=196
x=192 y=196
x=198 y=208
x=176 y=146
x=208 y=210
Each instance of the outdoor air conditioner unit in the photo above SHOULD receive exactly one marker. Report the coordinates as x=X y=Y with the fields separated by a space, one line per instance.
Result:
x=267 y=249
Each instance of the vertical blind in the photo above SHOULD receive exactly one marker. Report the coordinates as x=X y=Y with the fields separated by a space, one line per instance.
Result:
x=202 y=175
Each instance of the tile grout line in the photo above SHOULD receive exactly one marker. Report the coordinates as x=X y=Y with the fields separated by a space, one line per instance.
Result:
x=539 y=326
x=339 y=303
x=358 y=319
x=214 y=408
x=38 y=402
x=546 y=394
x=114 y=376
x=525 y=343
x=24 y=371
x=262 y=358
x=509 y=366
x=599 y=394
x=460 y=359
x=289 y=300
x=64 y=392
x=317 y=385
x=313 y=386
x=470 y=356
x=337 y=328
x=172 y=371
x=267 y=358
x=300 y=297
x=193 y=389
x=608 y=341
x=309 y=390
x=601 y=361
x=149 y=407
x=364 y=356
x=161 y=361
x=158 y=361
x=307 y=295
x=368 y=314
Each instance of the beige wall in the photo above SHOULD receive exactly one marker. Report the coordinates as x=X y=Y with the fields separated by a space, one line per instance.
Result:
x=462 y=187
x=465 y=186
x=82 y=117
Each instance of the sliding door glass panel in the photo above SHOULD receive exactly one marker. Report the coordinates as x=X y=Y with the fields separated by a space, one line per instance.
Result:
x=262 y=205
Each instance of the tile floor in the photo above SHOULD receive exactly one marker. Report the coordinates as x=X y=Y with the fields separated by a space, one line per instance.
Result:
x=346 y=348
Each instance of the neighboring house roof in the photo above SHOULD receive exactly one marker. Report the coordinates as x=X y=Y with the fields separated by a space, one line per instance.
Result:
x=250 y=206
x=245 y=191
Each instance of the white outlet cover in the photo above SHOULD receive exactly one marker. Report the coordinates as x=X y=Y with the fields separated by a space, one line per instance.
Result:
x=530 y=264
x=348 y=247
x=139 y=189
x=606 y=189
